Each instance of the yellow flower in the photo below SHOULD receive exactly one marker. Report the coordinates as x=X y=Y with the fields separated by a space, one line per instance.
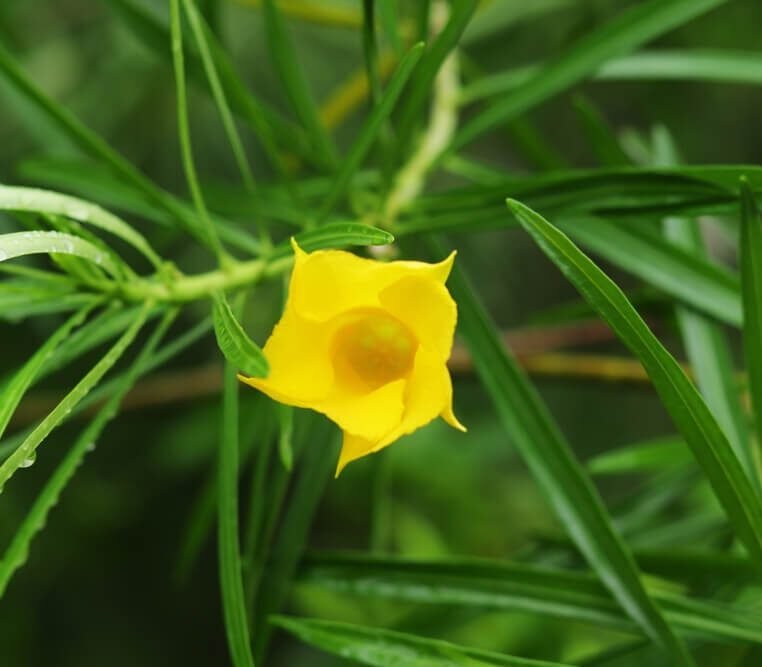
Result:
x=366 y=343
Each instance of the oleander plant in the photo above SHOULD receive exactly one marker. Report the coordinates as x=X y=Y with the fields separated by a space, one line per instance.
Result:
x=401 y=333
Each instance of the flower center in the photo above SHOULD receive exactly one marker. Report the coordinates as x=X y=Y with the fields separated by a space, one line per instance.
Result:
x=372 y=349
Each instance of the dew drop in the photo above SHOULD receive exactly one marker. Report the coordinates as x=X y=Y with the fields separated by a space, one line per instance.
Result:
x=28 y=462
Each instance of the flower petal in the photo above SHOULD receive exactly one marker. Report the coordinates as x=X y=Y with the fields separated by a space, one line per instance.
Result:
x=369 y=416
x=301 y=372
x=426 y=308
x=327 y=283
x=353 y=447
x=427 y=396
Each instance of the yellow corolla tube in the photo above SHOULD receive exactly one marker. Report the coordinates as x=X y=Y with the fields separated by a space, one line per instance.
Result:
x=366 y=343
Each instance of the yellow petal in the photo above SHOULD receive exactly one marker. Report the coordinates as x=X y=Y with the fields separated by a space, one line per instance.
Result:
x=427 y=394
x=301 y=372
x=447 y=414
x=369 y=416
x=326 y=283
x=426 y=308
x=353 y=448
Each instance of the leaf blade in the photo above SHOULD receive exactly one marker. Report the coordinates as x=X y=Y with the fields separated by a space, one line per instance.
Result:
x=689 y=412
x=234 y=343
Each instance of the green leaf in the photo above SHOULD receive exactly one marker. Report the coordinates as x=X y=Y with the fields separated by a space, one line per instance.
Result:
x=371 y=127
x=496 y=17
x=701 y=65
x=45 y=201
x=26 y=451
x=335 y=235
x=751 y=282
x=18 y=244
x=385 y=648
x=269 y=125
x=238 y=348
x=705 y=342
x=16 y=553
x=183 y=130
x=96 y=183
x=442 y=45
x=315 y=468
x=514 y=586
x=285 y=436
x=284 y=59
x=231 y=580
x=14 y=390
x=20 y=299
x=695 y=281
x=560 y=476
x=633 y=27
x=649 y=456
x=689 y=412
x=200 y=31
x=91 y=143
x=714 y=66
x=599 y=135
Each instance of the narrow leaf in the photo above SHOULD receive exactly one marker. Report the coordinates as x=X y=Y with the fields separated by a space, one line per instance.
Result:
x=689 y=412
x=420 y=86
x=556 y=470
x=633 y=27
x=45 y=201
x=371 y=127
x=291 y=75
x=14 y=390
x=231 y=579
x=18 y=244
x=33 y=523
x=514 y=586
x=26 y=451
x=385 y=648
x=751 y=283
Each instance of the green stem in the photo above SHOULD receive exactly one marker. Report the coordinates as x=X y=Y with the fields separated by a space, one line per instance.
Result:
x=186 y=148
x=192 y=288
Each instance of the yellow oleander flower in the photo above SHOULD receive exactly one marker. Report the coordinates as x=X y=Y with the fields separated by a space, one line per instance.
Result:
x=366 y=343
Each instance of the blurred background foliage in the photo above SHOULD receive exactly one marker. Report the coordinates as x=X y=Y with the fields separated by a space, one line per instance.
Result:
x=114 y=578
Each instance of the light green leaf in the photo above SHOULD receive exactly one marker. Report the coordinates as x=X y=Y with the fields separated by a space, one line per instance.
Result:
x=238 y=348
x=385 y=648
x=26 y=451
x=16 y=554
x=45 y=201
x=14 y=390
x=689 y=412
x=18 y=244
x=649 y=456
